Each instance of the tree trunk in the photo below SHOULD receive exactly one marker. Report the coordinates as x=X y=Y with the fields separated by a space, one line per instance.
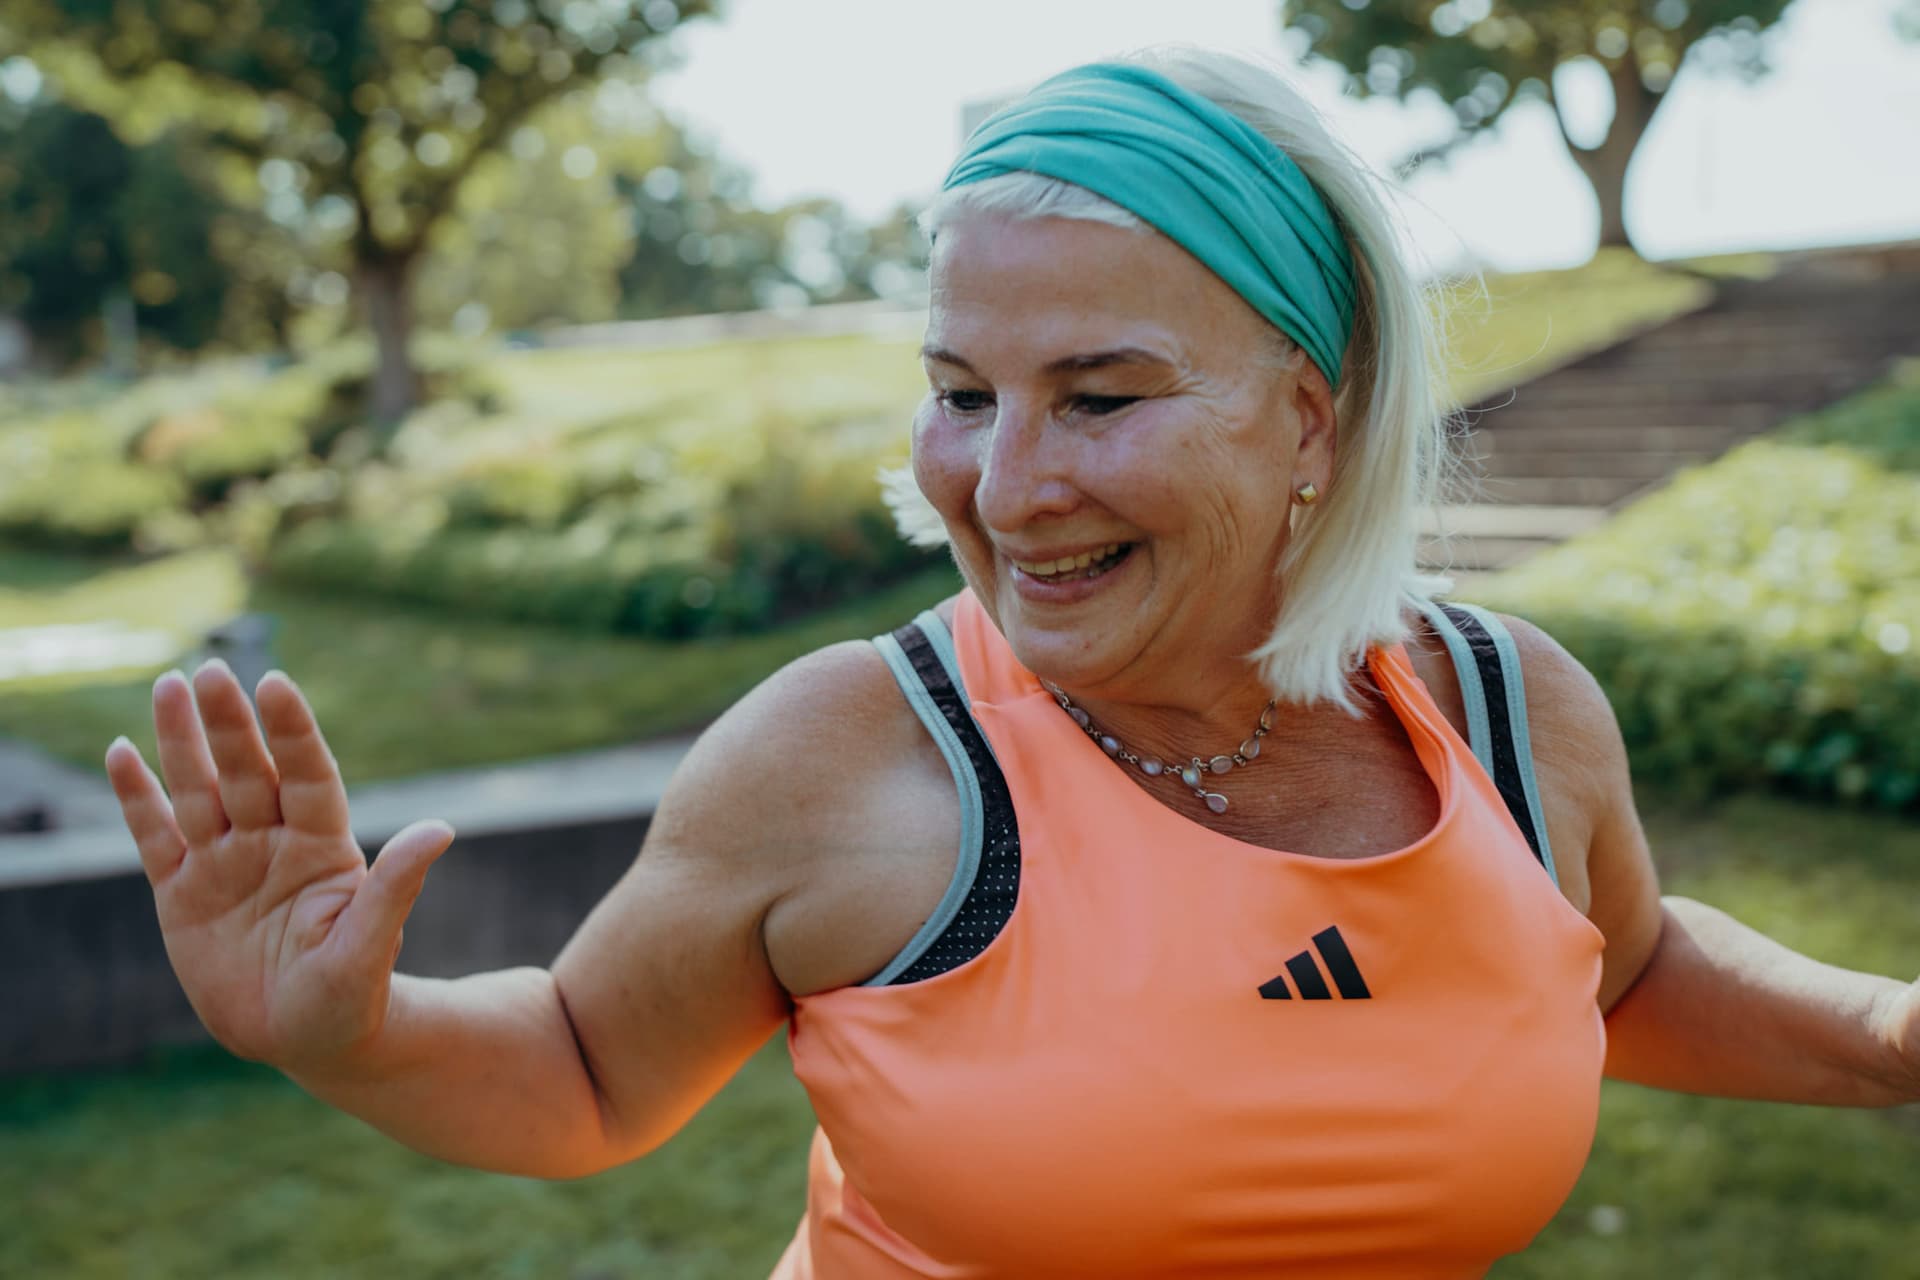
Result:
x=1606 y=170
x=1605 y=166
x=386 y=293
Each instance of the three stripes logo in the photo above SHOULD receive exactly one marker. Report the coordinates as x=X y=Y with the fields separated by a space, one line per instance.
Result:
x=1306 y=974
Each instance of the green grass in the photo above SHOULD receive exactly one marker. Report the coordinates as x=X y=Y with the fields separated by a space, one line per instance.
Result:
x=200 y=1166
x=401 y=691
x=1529 y=322
x=1713 y=1189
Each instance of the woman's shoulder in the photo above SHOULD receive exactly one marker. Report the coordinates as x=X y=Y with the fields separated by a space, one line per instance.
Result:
x=823 y=780
x=811 y=740
x=1569 y=718
x=1578 y=756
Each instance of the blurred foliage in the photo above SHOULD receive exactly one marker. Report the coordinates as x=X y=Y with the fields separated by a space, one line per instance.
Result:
x=669 y=491
x=712 y=490
x=87 y=220
x=664 y=493
x=580 y=203
x=1483 y=56
x=1757 y=621
x=362 y=120
x=602 y=208
x=222 y=457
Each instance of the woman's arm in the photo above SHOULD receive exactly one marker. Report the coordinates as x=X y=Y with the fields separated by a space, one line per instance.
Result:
x=1696 y=1001
x=285 y=939
x=481 y=1071
x=1722 y=1009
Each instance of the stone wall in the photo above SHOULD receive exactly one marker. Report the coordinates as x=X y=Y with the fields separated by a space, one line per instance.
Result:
x=84 y=978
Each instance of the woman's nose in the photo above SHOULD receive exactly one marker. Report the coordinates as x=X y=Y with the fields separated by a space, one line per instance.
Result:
x=1026 y=471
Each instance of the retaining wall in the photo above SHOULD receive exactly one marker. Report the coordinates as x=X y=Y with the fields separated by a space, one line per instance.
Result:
x=84 y=978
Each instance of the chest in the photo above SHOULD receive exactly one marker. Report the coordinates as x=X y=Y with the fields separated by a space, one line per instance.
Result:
x=1120 y=1086
x=1354 y=791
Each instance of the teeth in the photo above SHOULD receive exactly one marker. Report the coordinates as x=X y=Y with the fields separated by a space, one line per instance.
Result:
x=1069 y=564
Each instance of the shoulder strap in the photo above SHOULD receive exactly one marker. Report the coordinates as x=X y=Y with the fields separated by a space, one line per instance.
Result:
x=1494 y=690
x=979 y=898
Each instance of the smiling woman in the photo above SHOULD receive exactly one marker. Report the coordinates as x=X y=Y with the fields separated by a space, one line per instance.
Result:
x=1189 y=896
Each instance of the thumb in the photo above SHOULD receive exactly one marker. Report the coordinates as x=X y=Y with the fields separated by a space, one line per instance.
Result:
x=380 y=906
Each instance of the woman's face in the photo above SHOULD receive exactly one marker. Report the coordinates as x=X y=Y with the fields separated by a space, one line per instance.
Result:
x=1095 y=388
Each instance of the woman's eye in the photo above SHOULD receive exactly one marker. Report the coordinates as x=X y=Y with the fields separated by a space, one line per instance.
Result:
x=1101 y=405
x=966 y=401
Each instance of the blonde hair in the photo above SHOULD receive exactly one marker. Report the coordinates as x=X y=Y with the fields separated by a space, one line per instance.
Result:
x=1350 y=569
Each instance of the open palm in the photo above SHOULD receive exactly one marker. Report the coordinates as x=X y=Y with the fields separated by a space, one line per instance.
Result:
x=282 y=936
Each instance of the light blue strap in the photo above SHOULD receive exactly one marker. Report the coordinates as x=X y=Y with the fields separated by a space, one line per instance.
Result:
x=1472 y=691
x=965 y=782
x=942 y=641
x=1510 y=675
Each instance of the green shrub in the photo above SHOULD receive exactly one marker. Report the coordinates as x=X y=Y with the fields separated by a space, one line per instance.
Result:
x=1757 y=621
x=92 y=505
x=513 y=491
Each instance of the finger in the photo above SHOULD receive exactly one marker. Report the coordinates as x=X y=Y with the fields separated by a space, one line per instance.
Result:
x=186 y=763
x=249 y=783
x=370 y=926
x=144 y=806
x=312 y=797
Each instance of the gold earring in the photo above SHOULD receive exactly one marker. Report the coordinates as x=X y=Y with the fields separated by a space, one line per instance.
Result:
x=1306 y=495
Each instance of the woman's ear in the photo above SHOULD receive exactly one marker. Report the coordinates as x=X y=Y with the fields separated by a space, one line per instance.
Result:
x=1312 y=402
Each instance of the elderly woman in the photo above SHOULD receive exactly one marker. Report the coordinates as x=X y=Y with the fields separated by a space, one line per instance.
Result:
x=1190 y=896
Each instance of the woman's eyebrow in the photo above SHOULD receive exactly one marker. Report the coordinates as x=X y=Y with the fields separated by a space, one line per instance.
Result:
x=1065 y=364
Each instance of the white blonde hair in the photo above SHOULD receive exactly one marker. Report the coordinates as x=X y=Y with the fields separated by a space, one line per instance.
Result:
x=1350 y=569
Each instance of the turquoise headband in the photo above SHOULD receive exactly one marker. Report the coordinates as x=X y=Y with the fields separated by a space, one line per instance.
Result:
x=1204 y=177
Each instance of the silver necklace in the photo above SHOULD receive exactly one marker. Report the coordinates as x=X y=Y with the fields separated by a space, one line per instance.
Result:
x=1191 y=773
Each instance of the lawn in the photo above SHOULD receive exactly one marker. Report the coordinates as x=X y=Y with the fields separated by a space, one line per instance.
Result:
x=403 y=690
x=200 y=1166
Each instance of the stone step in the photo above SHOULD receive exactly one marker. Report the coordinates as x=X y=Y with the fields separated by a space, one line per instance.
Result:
x=1683 y=390
x=1523 y=417
x=1510 y=520
x=1710 y=331
x=1622 y=464
x=1548 y=437
x=1555 y=491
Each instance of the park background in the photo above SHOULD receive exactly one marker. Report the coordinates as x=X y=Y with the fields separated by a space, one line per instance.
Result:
x=521 y=370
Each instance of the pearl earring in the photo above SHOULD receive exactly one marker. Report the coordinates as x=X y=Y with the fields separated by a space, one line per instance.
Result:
x=1306 y=495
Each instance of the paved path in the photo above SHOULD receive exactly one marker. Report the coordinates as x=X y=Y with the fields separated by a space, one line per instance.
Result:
x=67 y=796
x=554 y=792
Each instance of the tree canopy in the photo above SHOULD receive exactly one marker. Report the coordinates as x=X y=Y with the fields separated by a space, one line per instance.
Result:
x=1483 y=56
x=364 y=114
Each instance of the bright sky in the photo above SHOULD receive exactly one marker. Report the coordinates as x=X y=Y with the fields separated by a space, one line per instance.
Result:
x=861 y=99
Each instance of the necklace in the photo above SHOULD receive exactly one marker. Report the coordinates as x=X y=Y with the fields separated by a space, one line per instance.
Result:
x=1191 y=773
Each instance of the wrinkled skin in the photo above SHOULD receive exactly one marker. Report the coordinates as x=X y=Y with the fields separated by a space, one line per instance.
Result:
x=1190 y=446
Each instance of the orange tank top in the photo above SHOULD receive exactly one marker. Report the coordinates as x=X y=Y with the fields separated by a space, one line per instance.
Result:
x=1185 y=1055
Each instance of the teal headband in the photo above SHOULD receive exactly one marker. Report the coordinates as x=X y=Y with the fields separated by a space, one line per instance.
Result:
x=1200 y=174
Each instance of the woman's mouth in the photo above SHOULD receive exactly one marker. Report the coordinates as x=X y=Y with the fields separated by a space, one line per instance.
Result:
x=1088 y=564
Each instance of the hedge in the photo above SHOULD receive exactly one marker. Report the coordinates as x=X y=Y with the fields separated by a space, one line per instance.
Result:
x=1757 y=621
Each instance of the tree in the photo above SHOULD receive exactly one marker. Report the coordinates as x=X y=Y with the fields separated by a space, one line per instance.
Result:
x=1482 y=56
x=602 y=206
x=88 y=222
x=373 y=112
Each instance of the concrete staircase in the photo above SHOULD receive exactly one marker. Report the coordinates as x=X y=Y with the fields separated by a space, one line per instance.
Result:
x=1556 y=455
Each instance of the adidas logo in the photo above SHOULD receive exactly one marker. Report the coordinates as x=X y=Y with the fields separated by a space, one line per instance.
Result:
x=1306 y=974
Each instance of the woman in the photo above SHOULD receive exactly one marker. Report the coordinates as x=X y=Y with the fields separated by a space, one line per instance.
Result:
x=1143 y=910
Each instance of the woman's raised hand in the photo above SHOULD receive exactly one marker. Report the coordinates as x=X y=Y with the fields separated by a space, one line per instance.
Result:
x=282 y=935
